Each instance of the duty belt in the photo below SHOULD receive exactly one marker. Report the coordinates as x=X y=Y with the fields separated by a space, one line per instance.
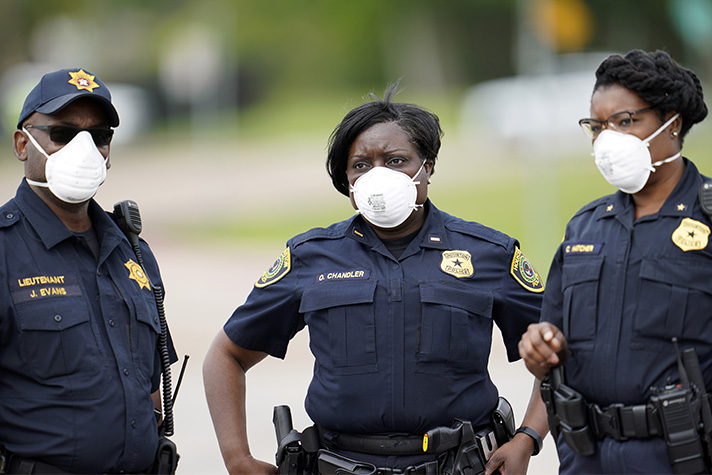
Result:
x=621 y=422
x=373 y=444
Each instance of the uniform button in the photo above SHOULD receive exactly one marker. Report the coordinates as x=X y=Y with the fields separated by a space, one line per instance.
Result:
x=155 y=319
x=133 y=423
x=58 y=318
x=9 y=215
x=111 y=323
x=126 y=371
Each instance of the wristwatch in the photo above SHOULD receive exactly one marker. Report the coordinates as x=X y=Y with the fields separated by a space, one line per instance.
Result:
x=538 y=443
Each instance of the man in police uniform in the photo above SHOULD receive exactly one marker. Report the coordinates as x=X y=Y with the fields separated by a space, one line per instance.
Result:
x=79 y=366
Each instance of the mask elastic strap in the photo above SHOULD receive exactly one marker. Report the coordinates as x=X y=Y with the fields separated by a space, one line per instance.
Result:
x=418 y=173
x=661 y=128
x=655 y=134
x=667 y=160
x=41 y=150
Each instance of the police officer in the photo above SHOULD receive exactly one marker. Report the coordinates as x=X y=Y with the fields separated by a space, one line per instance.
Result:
x=635 y=267
x=399 y=300
x=79 y=367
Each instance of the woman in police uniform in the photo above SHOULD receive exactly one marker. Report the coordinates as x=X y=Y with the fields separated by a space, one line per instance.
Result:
x=635 y=268
x=399 y=300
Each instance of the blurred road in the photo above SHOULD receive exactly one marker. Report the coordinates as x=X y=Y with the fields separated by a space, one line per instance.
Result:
x=205 y=283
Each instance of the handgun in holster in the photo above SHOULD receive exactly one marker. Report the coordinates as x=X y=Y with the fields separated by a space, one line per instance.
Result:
x=296 y=452
x=567 y=413
x=467 y=451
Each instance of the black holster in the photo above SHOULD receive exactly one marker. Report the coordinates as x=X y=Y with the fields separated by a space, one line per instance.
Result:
x=166 y=458
x=567 y=413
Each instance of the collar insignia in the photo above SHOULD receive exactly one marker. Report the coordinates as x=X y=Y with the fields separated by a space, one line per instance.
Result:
x=691 y=235
x=137 y=274
x=681 y=207
x=279 y=269
x=524 y=273
x=609 y=208
x=457 y=263
x=82 y=80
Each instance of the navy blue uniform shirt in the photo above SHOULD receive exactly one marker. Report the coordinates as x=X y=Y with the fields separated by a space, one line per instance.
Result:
x=621 y=288
x=401 y=345
x=78 y=358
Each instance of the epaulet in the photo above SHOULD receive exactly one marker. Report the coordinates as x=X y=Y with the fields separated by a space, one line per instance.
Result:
x=335 y=231
x=477 y=230
x=593 y=205
x=9 y=215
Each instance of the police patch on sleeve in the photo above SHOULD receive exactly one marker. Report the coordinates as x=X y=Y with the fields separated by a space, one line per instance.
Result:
x=279 y=269
x=524 y=273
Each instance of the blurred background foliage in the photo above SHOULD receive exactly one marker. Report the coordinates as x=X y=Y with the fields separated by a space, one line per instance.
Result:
x=276 y=75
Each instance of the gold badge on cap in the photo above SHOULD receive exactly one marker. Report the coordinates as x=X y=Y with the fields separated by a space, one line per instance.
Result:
x=525 y=273
x=136 y=273
x=457 y=263
x=279 y=269
x=82 y=80
x=691 y=235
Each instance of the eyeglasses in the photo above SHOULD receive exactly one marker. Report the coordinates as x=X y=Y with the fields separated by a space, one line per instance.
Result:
x=63 y=134
x=620 y=121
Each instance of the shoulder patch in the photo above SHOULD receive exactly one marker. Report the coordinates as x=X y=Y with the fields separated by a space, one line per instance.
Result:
x=279 y=269
x=524 y=273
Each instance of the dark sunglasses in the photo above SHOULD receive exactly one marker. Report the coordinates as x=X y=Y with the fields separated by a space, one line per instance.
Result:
x=63 y=134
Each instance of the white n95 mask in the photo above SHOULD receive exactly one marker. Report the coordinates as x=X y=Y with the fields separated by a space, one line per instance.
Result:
x=385 y=197
x=624 y=160
x=74 y=172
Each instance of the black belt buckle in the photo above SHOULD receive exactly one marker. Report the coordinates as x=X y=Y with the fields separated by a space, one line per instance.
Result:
x=607 y=422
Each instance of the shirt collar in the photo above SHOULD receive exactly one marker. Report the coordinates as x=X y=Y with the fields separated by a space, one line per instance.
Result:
x=50 y=229
x=680 y=202
x=432 y=234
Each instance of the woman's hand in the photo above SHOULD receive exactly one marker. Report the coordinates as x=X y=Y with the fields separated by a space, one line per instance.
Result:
x=541 y=347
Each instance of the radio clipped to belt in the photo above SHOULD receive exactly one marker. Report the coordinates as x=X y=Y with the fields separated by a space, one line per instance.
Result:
x=680 y=413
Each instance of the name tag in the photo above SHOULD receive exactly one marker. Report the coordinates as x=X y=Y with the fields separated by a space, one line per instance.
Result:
x=35 y=287
x=582 y=248
x=356 y=274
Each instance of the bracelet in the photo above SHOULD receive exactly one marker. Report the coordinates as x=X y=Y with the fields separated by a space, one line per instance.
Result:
x=538 y=443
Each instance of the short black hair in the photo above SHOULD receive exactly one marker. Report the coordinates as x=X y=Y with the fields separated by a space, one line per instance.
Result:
x=659 y=80
x=421 y=126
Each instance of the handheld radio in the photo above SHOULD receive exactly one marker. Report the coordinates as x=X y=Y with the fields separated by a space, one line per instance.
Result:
x=128 y=218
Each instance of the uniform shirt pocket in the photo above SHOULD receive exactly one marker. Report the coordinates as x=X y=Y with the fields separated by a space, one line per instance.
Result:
x=341 y=320
x=145 y=338
x=57 y=340
x=672 y=291
x=456 y=328
x=580 y=282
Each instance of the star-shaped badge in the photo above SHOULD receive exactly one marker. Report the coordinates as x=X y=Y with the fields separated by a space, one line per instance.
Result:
x=82 y=80
x=681 y=207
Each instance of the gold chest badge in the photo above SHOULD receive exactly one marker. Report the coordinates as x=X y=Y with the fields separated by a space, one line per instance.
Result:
x=691 y=235
x=136 y=273
x=457 y=263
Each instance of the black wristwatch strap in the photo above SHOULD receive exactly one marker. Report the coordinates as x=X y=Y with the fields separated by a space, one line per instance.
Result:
x=538 y=443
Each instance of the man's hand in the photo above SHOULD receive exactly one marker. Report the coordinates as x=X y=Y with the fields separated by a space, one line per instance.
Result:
x=541 y=347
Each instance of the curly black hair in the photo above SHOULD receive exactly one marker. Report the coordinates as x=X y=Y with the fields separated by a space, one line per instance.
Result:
x=421 y=126
x=659 y=80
